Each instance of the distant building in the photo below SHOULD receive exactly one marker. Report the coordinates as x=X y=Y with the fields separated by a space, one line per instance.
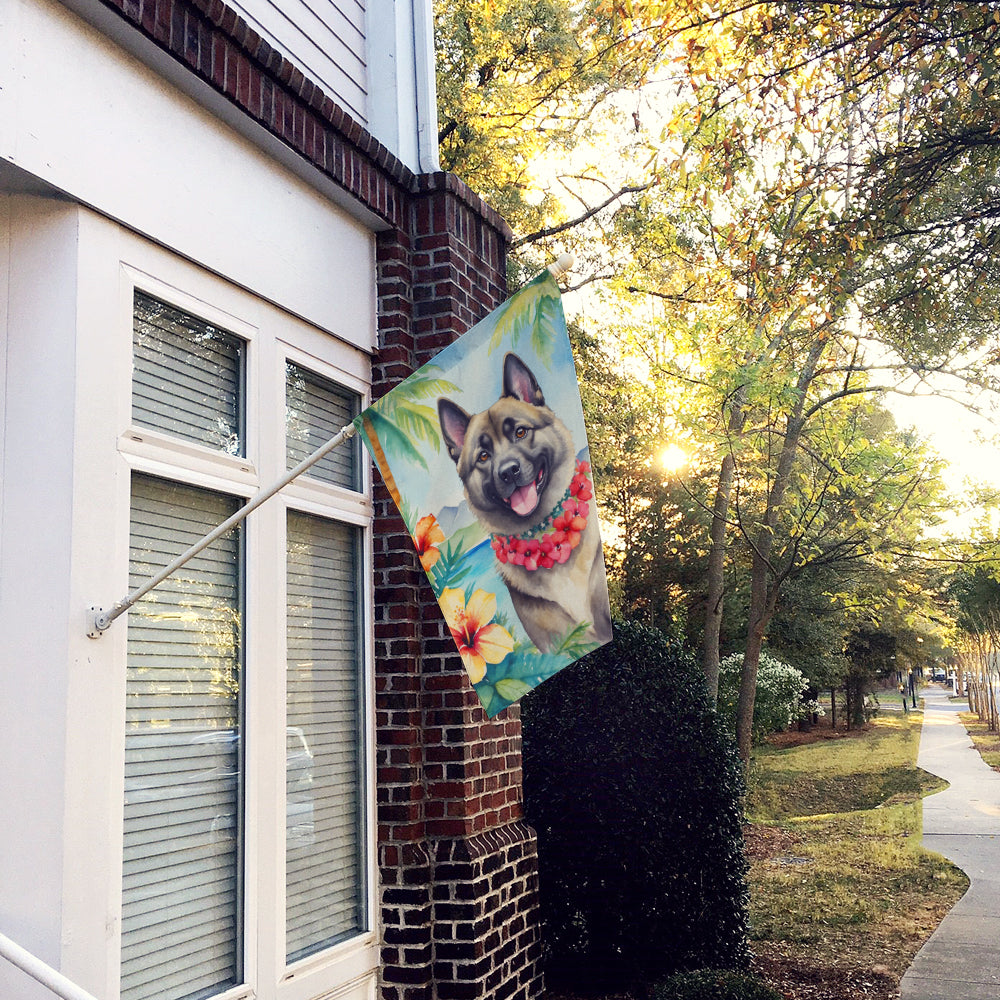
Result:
x=223 y=229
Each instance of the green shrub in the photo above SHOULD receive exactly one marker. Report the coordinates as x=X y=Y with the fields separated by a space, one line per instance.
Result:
x=779 y=690
x=633 y=788
x=711 y=984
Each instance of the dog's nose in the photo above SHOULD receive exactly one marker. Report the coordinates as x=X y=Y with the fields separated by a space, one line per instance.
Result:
x=510 y=471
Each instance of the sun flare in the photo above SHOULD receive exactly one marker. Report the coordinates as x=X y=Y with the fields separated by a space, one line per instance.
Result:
x=673 y=458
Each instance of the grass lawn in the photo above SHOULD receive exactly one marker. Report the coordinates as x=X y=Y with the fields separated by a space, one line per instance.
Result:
x=842 y=894
x=987 y=743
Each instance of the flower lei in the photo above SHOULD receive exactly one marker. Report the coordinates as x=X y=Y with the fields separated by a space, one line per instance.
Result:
x=551 y=542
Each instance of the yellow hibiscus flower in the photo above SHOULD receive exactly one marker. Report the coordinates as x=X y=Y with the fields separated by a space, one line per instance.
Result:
x=479 y=639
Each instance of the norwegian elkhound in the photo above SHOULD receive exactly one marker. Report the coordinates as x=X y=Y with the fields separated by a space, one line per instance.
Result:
x=523 y=482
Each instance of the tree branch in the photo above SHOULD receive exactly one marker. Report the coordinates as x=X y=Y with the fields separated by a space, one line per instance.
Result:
x=542 y=234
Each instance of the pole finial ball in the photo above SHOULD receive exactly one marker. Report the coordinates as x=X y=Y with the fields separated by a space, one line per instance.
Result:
x=563 y=263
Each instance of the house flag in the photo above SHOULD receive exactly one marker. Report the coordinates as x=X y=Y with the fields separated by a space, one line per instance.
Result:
x=485 y=453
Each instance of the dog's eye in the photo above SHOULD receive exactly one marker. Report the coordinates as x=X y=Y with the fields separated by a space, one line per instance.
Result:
x=483 y=456
x=520 y=432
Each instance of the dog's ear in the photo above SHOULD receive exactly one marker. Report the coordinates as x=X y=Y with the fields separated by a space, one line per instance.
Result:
x=519 y=382
x=454 y=424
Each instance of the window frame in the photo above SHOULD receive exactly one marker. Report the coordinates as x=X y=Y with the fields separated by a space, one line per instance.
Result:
x=271 y=338
x=309 y=495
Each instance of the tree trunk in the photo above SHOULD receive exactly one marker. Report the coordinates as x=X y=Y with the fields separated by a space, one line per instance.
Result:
x=716 y=579
x=855 y=702
x=761 y=609
x=762 y=597
x=992 y=698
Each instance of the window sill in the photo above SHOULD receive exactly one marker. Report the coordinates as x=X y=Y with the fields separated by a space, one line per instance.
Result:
x=152 y=451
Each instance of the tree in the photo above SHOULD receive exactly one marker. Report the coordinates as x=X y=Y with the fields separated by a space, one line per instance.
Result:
x=976 y=593
x=783 y=359
x=519 y=78
x=678 y=83
x=844 y=491
x=805 y=263
x=802 y=213
x=871 y=653
x=921 y=80
x=778 y=370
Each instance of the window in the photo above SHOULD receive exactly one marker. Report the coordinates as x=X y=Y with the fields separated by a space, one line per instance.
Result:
x=324 y=860
x=316 y=409
x=324 y=851
x=182 y=870
x=205 y=830
x=187 y=377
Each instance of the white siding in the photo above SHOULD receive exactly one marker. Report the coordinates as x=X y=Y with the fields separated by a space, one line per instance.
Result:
x=375 y=58
x=402 y=97
x=38 y=397
x=80 y=114
x=325 y=39
x=69 y=449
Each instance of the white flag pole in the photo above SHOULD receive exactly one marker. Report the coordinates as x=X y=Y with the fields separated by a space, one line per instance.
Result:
x=101 y=619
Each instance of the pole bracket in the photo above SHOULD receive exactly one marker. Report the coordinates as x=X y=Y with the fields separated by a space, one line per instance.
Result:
x=97 y=622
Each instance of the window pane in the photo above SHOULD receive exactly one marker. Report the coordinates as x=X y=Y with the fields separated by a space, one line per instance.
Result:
x=315 y=410
x=187 y=378
x=325 y=888
x=182 y=873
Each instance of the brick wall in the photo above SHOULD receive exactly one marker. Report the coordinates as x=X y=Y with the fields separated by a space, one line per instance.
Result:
x=458 y=868
x=218 y=46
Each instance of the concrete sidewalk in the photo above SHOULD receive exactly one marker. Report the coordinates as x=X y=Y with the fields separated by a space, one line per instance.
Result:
x=961 y=959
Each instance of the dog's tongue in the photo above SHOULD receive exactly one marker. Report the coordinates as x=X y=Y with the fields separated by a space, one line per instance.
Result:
x=524 y=500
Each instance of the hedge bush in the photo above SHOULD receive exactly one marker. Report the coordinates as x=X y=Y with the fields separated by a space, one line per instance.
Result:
x=633 y=788
x=779 y=691
x=710 y=984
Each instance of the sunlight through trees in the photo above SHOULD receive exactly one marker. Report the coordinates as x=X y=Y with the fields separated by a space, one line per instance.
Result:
x=786 y=215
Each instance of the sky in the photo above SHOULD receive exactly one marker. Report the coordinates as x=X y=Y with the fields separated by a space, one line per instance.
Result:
x=959 y=437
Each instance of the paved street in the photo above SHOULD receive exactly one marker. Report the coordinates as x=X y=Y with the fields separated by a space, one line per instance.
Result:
x=961 y=960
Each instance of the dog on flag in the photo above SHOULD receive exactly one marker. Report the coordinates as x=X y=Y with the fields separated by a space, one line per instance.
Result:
x=524 y=483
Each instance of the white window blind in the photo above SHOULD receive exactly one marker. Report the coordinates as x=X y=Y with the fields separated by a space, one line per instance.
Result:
x=325 y=863
x=315 y=409
x=182 y=872
x=187 y=376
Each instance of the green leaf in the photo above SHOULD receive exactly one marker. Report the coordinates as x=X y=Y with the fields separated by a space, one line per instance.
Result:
x=421 y=384
x=520 y=313
x=393 y=440
x=487 y=695
x=511 y=689
x=534 y=666
x=400 y=411
x=572 y=644
x=420 y=422
x=546 y=330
